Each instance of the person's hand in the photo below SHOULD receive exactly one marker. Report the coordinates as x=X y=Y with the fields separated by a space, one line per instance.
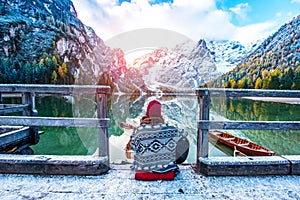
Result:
x=127 y=126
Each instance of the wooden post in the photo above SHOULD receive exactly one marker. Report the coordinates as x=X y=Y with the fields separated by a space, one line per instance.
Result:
x=29 y=99
x=1 y=101
x=26 y=100
x=202 y=138
x=34 y=113
x=102 y=112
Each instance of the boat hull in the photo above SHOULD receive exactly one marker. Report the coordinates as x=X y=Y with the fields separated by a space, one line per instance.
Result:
x=247 y=147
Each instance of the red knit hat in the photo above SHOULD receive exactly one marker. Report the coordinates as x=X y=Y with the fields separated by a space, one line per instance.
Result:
x=154 y=109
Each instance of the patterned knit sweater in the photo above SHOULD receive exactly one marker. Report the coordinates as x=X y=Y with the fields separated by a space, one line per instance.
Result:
x=155 y=146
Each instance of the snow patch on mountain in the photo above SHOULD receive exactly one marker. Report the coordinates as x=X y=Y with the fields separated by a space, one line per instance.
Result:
x=227 y=54
x=188 y=65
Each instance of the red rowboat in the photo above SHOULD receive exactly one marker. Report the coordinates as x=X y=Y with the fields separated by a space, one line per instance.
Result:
x=247 y=147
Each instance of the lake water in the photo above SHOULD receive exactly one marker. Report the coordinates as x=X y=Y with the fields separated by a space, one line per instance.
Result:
x=180 y=111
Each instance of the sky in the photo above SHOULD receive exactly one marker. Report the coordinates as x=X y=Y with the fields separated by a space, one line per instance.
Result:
x=240 y=20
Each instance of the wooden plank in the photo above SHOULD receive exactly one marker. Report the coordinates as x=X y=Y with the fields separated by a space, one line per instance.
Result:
x=55 y=89
x=53 y=165
x=12 y=108
x=54 y=121
x=244 y=166
x=202 y=138
x=219 y=92
x=91 y=89
x=102 y=112
x=15 y=138
x=26 y=99
x=249 y=125
x=295 y=163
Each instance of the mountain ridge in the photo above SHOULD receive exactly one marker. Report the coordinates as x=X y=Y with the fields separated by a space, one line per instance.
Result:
x=274 y=64
x=45 y=42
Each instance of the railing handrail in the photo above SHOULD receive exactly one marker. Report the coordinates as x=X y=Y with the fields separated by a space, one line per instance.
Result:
x=249 y=125
x=203 y=94
x=30 y=114
x=205 y=124
x=54 y=89
x=228 y=92
x=54 y=121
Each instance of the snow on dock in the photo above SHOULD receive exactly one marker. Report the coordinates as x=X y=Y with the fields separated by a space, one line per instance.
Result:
x=119 y=183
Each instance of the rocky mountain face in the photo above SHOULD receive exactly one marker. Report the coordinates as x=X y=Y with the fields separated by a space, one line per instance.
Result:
x=184 y=67
x=43 y=41
x=275 y=64
x=228 y=54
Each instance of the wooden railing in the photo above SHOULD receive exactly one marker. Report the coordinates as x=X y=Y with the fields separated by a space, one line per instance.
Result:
x=30 y=117
x=205 y=124
x=30 y=114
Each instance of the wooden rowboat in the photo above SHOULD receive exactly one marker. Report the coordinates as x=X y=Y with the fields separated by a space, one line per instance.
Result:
x=247 y=147
x=17 y=140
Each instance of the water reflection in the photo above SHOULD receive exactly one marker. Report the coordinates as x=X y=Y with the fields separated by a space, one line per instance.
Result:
x=177 y=110
x=181 y=111
x=283 y=142
x=62 y=140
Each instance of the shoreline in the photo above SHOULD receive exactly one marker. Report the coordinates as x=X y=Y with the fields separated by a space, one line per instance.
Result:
x=275 y=99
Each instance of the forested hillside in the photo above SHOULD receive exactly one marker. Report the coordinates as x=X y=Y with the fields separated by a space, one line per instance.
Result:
x=44 y=42
x=275 y=64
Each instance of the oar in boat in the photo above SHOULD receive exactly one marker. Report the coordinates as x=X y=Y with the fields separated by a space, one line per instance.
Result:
x=237 y=153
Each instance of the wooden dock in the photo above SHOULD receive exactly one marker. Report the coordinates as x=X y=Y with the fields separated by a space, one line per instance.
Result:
x=241 y=165
x=119 y=184
x=49 y=164
x=29 y=121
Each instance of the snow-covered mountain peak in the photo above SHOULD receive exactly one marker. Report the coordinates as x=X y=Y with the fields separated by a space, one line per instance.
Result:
x=227 y=54
x=187 y=65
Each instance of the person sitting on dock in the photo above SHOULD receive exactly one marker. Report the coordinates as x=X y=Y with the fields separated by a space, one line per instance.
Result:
x=155 y=145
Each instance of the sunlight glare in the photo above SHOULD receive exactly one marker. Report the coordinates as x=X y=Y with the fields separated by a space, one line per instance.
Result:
x=131 y=56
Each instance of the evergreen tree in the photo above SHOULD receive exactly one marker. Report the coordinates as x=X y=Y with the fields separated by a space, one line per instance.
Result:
x=274 y=81
x=2 y=73
x=286 y=80
x=27 y=73
x=296 y=82
x=265 y=84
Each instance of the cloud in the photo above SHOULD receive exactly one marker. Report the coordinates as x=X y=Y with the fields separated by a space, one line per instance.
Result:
x=241 y=10
x=253 y=32
x=295 y=1
x=279 y=14
x=188 y=17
